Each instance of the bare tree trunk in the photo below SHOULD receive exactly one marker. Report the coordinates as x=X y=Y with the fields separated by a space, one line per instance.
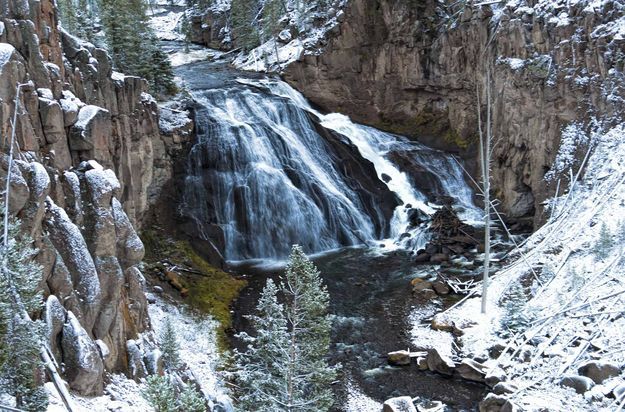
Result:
x=485 y=147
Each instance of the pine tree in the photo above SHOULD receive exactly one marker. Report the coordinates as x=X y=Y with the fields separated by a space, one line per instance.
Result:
x=260 y=368
x=307 y=301
x=160 y=393
x=191 y=401
x=170 y=346
x=515 y=317
x=285 y=366
x=133 y=44
x=20 y=338
x=244 y=23
x=604 y=243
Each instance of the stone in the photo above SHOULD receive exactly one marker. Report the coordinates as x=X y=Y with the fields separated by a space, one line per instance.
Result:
x=55 y=317
x=51 y=120
x=492 y=403
x=472 y=370
x=19 y=190
x=83 y=364
x=91 y=130
x=399 y=404
x=422 y=258
x=399 y=358
x=495 y=376
x=440 y=363
x=581 y=384
x=619 y=391
x=599 y=371
x=136 y=366
x=440 y=287
x=438 y=258
x=442 y=324
x=503 y=388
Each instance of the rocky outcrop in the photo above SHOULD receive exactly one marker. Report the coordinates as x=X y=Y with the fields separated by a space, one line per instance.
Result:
x=413 y=68
x=210 y=28
x=80 y=185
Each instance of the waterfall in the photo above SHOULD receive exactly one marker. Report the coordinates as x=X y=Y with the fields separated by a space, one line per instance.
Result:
x=269 y=171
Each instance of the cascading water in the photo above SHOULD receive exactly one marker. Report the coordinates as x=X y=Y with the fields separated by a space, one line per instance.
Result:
x=269 y=171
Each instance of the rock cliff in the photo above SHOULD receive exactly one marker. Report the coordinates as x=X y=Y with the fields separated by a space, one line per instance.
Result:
x=84 y=144
x=413 y=67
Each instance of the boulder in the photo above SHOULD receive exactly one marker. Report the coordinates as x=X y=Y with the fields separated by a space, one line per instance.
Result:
x=495 y=376
x=440 y=287
x=91 y=129
x=492 y=403
x=83 y=364
x=599 y=371
x=440 y=363
x=136 y=367
x=472 y=370
x=19 y=191
x=581 y=384
x=399 y=358
x=503 y=388
x=55 y=316
x=399 y=404
x=51 y=120
x=438 y=258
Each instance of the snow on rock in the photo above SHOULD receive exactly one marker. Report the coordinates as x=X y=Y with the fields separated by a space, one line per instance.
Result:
x=84 y=368
x=313 y=27
x=6 y=51
x=92 y=128
x=198 y=344
x=357 y=401
x=72 y=248
x=575 y=293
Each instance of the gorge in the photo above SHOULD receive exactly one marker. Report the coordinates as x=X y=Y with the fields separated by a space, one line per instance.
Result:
x=350 y=128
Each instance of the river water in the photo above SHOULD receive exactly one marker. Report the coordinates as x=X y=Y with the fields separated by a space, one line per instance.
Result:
x=268 y=170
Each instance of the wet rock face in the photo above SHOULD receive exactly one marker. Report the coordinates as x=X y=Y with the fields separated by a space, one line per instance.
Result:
x=398 y=65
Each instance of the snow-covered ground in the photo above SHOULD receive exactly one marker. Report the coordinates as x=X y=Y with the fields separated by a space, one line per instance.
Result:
x=575 y=296
x=198 y=350
x=276 y=53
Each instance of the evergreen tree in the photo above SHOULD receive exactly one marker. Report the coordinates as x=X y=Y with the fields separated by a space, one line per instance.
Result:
x=169 y=346
x=20 y=338
x=244 y=23
x=191 y=401
x=160 y=393
x=604 y=243
x=515 y=317
x=307 y=301
x=260 y=369
x=133 y=44
x=285 y=366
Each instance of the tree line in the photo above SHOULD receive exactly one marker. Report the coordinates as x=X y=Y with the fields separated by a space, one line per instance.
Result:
x=122 y=27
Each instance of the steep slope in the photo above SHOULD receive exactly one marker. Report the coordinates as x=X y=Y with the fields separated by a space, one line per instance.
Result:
x=72 y=109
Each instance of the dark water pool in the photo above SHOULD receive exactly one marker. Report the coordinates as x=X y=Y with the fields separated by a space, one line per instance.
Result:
x=371 y=299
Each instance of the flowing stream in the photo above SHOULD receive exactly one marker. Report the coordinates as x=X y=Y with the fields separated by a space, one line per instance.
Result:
x=268 y=170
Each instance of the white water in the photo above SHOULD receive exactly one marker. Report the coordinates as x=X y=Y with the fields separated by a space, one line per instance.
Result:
x=264 y=175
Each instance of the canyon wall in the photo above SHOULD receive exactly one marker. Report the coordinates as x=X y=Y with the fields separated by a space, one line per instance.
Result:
x=414 y=68
x=84 y=149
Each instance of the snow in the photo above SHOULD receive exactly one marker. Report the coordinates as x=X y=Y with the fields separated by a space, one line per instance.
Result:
x=6 y=51
x=357 y=401
x=574 y=304
x=263 y=58
x=165 y=25
x=198 y=350
x=181 y=57
x=198 y=344
x=171 y=120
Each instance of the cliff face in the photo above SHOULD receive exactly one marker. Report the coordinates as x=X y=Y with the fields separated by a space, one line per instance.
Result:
x=411 y=67
x=84 y=148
